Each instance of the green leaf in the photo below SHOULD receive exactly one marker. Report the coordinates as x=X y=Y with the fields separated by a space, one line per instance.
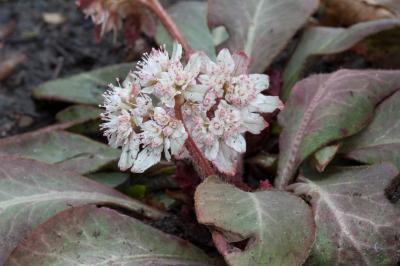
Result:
x=356 y=223
x=88 y=117
x=84 y=88
x=161 y=198
x=136 y=191
x=69 y=151
x=380 y=140
x=191 y=19
x=31 y=192
x=317 y=41
x=111 y=179
x=278 y=225
x=324 y=156
x=100 y=236
x=326 y=108
x=78 y=112
x=260 y=28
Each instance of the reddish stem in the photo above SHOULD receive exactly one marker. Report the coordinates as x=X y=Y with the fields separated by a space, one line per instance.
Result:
x=199 y=161
x=157 y=8
x=202 y=164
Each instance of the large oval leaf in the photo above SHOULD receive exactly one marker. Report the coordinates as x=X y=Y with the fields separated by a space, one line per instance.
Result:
x=324 y=108
x=260 y=28
x=380 y=141
x=100 y=236
x=78 y=112
x=317 y=41
x=84 y=88
x=191 y=19
x=69 y=151
x=278 y=225
x=31 y=192
x=88 y=115
x=356 y=224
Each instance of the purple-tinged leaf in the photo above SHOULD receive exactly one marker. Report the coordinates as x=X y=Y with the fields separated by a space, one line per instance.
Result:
x=31 y=192
x=356 y=224
x=260 y=28
x=326 y=108
x=278 y=226
x=380 y=140
x=100 y=236
x=318 y=41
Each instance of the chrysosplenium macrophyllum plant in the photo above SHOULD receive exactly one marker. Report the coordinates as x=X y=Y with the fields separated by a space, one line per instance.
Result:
x=186 y=111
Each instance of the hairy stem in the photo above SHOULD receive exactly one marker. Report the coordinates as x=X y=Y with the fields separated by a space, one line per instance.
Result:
x=159 y=11
x=201 y=164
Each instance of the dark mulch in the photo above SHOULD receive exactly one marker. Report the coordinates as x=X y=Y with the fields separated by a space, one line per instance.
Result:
x=52 y=51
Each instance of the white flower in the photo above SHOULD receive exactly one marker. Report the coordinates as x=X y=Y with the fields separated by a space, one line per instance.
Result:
x=142 y=130
x=164 y=133
x=227 y=126
x=219 y=101
x=118 y=102
x=166 y=77
x=213 y=79
x=118 y=128
x=129 y=152
x=151 y=67
x=220 y=137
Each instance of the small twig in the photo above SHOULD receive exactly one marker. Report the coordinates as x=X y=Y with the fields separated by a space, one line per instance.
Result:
x=166 y=20
x=57 y=70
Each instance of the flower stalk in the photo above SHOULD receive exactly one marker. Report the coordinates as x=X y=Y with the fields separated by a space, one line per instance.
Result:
x=202 y=165
x=168 y=23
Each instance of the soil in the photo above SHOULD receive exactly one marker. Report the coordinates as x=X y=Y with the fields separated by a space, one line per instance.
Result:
x=52 y=51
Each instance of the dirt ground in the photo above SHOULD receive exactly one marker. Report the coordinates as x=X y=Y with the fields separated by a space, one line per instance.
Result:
x=51 y=50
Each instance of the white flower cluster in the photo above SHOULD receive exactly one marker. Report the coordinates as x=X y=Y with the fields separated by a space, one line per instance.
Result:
x=220 y=102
